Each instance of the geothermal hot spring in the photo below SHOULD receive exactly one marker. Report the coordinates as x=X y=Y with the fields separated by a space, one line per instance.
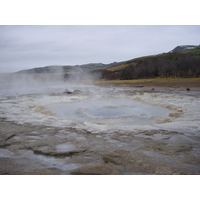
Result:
x=87 y=129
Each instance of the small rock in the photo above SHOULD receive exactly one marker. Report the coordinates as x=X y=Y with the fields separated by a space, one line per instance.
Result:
x=113 y=158
x=139 y=85
x=76 y=92
x=175 y=115
x=31 y=105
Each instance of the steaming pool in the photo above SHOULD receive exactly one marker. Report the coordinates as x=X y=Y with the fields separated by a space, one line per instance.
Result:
x=112 y=111
x=105 y=108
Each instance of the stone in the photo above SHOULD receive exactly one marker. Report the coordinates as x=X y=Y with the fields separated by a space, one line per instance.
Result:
x=113 y=158
x=175 y=115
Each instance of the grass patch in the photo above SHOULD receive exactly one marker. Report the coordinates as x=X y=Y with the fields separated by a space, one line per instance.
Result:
x=116 y=67
x=153 y=80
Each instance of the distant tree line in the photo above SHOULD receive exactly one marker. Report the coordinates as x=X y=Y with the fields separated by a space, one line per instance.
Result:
x=168 y=65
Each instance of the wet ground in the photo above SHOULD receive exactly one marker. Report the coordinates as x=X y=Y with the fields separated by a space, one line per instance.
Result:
x=101 y=130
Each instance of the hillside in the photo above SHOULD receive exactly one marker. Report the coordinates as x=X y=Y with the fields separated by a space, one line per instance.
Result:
x=182 y=61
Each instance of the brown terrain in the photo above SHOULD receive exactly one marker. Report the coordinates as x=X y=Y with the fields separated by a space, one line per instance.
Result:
x=186 y=82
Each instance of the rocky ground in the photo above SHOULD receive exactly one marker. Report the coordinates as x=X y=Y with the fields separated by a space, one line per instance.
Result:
x=29 y=149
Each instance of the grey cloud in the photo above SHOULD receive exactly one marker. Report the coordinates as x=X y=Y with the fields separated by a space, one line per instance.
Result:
x=23 y=47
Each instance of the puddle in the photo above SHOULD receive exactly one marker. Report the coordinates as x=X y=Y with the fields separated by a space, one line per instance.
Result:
x=58 y=163
x=5 y=153
x=70 y=166
x=34 y=137
x=65 y=147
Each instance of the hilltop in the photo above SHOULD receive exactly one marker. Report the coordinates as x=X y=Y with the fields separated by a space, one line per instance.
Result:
x=183 y=48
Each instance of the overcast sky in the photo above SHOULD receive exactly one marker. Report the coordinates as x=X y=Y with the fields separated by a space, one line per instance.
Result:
x=25 y=47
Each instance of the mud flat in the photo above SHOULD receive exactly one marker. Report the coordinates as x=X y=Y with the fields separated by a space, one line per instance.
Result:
x=36 y=140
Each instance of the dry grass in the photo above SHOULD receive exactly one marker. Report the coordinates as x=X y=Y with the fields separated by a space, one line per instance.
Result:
x=118 y=67
x=161 y=82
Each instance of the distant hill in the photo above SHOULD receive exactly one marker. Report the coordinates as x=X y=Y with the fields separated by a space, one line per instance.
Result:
x=67 y=68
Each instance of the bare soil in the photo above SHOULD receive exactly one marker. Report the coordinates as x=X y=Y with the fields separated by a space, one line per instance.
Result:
x=28 y=149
